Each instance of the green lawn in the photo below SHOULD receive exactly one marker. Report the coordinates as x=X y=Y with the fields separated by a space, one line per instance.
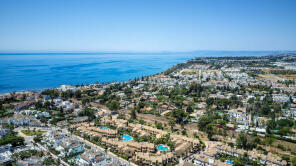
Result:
x=32 y=132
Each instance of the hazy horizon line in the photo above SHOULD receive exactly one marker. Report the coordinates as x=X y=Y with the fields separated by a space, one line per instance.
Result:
x=123 y=52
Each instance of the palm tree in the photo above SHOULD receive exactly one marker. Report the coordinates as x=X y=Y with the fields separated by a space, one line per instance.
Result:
x=172 y=124
x=231 y=145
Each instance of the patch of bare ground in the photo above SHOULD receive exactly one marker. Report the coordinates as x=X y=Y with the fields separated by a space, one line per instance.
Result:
x=289 y=77
x=288 y=145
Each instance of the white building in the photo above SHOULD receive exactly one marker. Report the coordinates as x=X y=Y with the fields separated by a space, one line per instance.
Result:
x=68 y=87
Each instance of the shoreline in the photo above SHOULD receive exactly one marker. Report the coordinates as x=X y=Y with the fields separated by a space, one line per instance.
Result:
x=268 y=53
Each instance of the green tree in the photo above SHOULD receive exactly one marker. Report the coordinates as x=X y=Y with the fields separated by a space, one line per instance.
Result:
x=293 y=160
x=158 y=125
x=128 y=91
x=53 y=93
x=133 y=114
x=284 y=131
x=97 y=121
x=140 y=106
x=172 y=123
x=85 y=100
x=189 y=109
x=48 y=161
x=242 y=141
x=203 y=121
x=271 y=125
x=113 y=105
x=37 y=138
x=13 y=140
x=179 y=115
x=47 y=105
x=77 y=94
x=210 y=101
x=89 y=112
x=38 y=104
x=269 y=140
x=209 y=130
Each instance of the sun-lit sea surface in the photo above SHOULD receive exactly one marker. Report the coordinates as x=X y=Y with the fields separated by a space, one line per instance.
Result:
x=35 y=71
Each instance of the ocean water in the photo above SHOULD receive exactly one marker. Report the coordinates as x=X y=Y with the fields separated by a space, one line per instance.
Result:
x=36 y=71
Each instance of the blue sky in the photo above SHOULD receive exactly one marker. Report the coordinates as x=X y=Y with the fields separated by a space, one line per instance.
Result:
x=147 y=25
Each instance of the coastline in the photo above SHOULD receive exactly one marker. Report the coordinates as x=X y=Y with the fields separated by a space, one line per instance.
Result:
x=52 y=70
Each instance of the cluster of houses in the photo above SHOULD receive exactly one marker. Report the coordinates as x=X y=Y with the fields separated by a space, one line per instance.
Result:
x=37 y=114
x=209 y=157
x=3 y=131
x=5 y=153
x=141 y=152
x=63 y=143
x=24 y=105
x=24 y=95
x=239 y=77
x=79 y=152
x=96 y=158
x=108 y=138
x=66 y=105
x=22 y=120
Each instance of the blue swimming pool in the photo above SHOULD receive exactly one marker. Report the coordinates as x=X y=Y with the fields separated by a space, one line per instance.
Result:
x=104 y=128
x=162 y=147
x=127 y=138
x=229 y=162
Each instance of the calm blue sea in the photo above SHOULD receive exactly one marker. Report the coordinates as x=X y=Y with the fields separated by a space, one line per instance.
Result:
x=35 y=71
